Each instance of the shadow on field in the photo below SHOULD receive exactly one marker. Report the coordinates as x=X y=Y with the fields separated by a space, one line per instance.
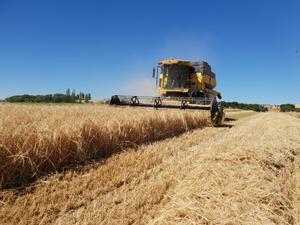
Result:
x=27 y=185
x=97 y=153
x=230 y=119
x=226 y=125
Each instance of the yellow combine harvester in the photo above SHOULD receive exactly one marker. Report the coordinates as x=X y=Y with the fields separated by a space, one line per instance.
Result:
x=180 y=84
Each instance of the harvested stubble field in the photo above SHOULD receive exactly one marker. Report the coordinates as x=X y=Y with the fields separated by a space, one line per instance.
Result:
x=37 y=139
x=295 y=114
x=240 y=175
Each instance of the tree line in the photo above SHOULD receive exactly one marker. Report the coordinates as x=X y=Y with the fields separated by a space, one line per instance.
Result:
x=289 y=108
x=258 y=107
x=68 y=97
x=237 y=105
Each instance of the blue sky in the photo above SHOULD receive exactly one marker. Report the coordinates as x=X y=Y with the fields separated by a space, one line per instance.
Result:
x=110 y=47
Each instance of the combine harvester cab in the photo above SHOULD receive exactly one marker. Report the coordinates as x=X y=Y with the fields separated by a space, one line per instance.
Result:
x=180 y=84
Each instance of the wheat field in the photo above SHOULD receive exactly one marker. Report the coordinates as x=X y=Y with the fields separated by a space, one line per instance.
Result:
x=246 y=174
x=295 y=114
x=38 y=139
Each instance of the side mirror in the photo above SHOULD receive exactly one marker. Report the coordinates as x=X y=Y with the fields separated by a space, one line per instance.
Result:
x=153 y=72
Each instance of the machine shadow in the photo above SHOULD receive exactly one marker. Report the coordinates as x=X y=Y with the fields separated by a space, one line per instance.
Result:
x=230 y=119
x=225 y=125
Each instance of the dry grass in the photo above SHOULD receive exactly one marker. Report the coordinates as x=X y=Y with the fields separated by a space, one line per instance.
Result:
x=36 y=139
x=248 y=178
x=239 y=114
x=295 y=114
x=242 y=175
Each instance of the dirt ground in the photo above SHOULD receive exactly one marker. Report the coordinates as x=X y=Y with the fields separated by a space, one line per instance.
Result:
x=246 y=172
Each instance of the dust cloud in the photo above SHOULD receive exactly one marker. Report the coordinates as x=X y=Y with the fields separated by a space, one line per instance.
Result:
x=139 y=86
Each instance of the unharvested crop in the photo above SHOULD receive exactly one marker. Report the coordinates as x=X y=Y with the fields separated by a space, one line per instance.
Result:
x=240 y=175
x=36 y=139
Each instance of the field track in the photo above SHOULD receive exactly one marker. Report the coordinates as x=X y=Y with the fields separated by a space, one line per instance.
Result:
x=246 y=174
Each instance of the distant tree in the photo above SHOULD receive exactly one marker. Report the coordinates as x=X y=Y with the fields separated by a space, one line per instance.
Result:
x=73 y=96
x=55 y=98
x=237 y=105
x=47 y=98
x=39 y=98
x=59 y=98
x=81 y=96
x=68 y=92
x=287 y=108
x=68 y=95
x=87 y=97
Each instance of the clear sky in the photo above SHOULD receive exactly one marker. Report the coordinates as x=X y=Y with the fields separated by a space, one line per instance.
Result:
x=110 y=47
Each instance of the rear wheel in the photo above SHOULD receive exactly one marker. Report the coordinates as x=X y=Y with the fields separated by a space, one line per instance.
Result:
x=217 y=114
x=115 y=100
x=134 y=101
x=157 y=102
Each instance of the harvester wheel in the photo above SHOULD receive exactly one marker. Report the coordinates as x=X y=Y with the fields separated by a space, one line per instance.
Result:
x=157 y=103
x=217 y=114
x=220 y=117
x=115 y=100
x=184 y=104
x=134 y=101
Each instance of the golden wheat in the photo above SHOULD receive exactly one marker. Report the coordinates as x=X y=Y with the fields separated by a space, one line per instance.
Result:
x=295 y=114
x=242 y=175
x=36 y=139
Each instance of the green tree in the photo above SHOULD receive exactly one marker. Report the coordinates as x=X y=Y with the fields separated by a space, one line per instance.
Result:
x=68 y=95
x=73 y=96
x=81 y=96
x=68 y=92
x=237 y=105
x=287 y=108
x=55 y=98
x=87 y=97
